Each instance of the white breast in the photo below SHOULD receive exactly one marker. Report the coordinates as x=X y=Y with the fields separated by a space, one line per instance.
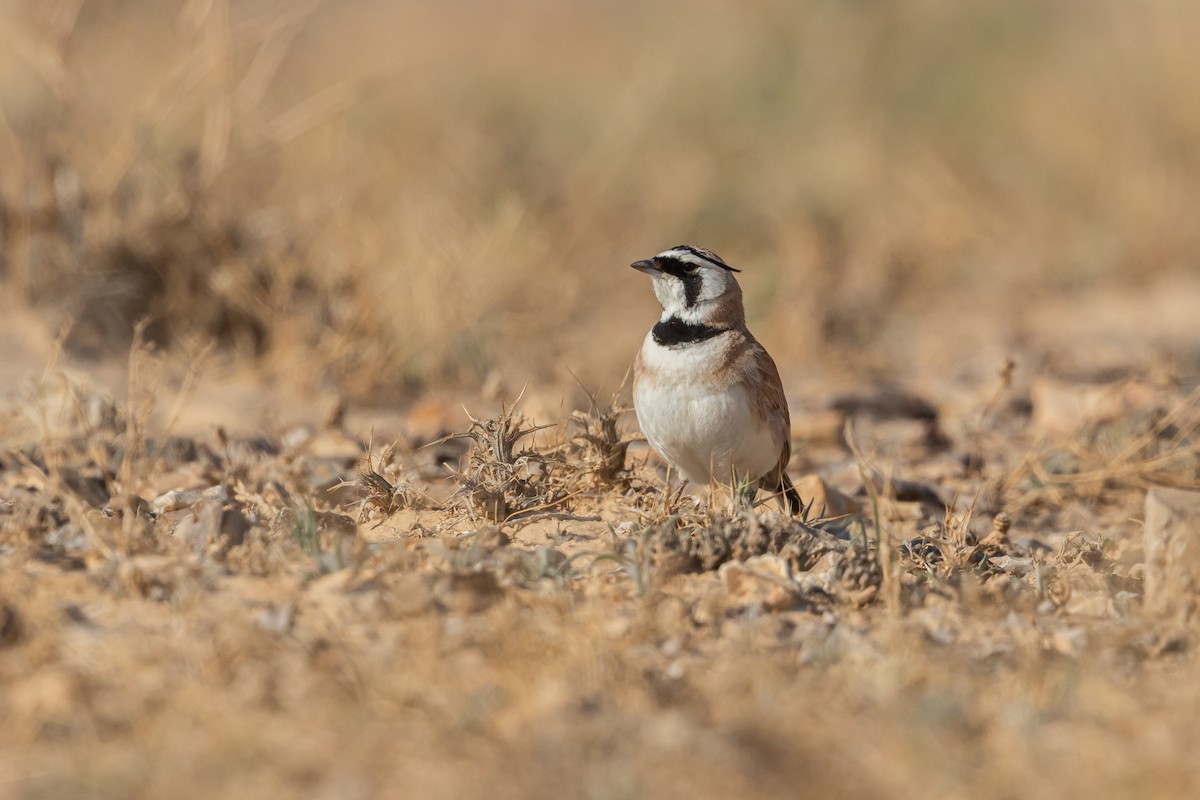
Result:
x=703 y=426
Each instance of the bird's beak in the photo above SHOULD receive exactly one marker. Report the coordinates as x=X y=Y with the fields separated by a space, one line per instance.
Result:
x=645 y=265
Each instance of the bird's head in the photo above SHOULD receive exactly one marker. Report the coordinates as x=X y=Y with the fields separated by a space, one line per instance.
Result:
x=694 y=285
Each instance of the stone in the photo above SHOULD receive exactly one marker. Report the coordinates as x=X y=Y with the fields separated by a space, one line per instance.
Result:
x=1172 y=547
x=1060 y=407
x=827 y=502
x=763 y=582
x=203 y=519
x=818 y=427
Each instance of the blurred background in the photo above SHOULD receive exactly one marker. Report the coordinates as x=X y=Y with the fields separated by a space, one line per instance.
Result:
x=390 y=197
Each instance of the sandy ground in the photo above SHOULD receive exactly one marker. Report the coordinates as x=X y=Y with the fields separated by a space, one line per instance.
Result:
x=310 y=544
x=245 y=593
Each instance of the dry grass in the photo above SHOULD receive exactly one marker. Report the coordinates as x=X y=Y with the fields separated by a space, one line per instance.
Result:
x=218 y=221
x=386 y=197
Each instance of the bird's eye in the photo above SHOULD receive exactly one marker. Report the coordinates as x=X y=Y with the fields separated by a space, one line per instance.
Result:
x=689 y=267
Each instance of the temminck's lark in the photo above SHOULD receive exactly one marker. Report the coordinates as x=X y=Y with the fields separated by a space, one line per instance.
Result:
x=707 y=395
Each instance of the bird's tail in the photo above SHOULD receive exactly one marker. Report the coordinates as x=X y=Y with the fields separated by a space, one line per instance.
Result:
x=789 y=498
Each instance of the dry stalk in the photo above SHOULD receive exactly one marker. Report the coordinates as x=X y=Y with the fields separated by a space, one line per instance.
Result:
x=883 y=553
x=145 y=376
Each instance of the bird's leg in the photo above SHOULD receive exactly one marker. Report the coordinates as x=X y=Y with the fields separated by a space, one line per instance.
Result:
x=675 y=487
x=744 y=492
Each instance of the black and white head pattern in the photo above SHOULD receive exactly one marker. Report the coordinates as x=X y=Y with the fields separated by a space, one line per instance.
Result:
x=687 y=278
x=699 y=295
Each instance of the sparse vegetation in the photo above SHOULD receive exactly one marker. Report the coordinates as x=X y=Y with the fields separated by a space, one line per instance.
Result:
x=257 y=258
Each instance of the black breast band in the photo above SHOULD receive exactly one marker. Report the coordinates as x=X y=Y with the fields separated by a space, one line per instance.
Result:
x=674 y=331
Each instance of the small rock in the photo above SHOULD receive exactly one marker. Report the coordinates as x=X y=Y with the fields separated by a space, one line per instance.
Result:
x=819 y=427
x=1069 y=642
x=827 y=502
x=127 y=505
x=209 y=519
x=91 y=489
x=1013 y=565
x=296 y=437
x=174 y=500
x=1091 y=604
x=70 y=537
x=763 y=581
x=276 y=618
x=1060 y=407
x=1172 y=547
x=820 y=576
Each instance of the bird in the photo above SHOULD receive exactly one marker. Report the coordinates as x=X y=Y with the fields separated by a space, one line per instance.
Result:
x=707 y=395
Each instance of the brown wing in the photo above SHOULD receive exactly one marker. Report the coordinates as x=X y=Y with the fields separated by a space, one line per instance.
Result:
x=766 y=387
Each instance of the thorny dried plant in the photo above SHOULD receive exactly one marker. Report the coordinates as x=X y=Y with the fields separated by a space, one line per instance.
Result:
x=381 y=497
x=601 y=447
x=378 y=491
x=501 y=481
x=949 y=547
x=680 y=544
x=858 y=574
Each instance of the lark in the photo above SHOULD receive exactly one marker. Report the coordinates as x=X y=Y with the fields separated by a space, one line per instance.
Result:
x=707 y=395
